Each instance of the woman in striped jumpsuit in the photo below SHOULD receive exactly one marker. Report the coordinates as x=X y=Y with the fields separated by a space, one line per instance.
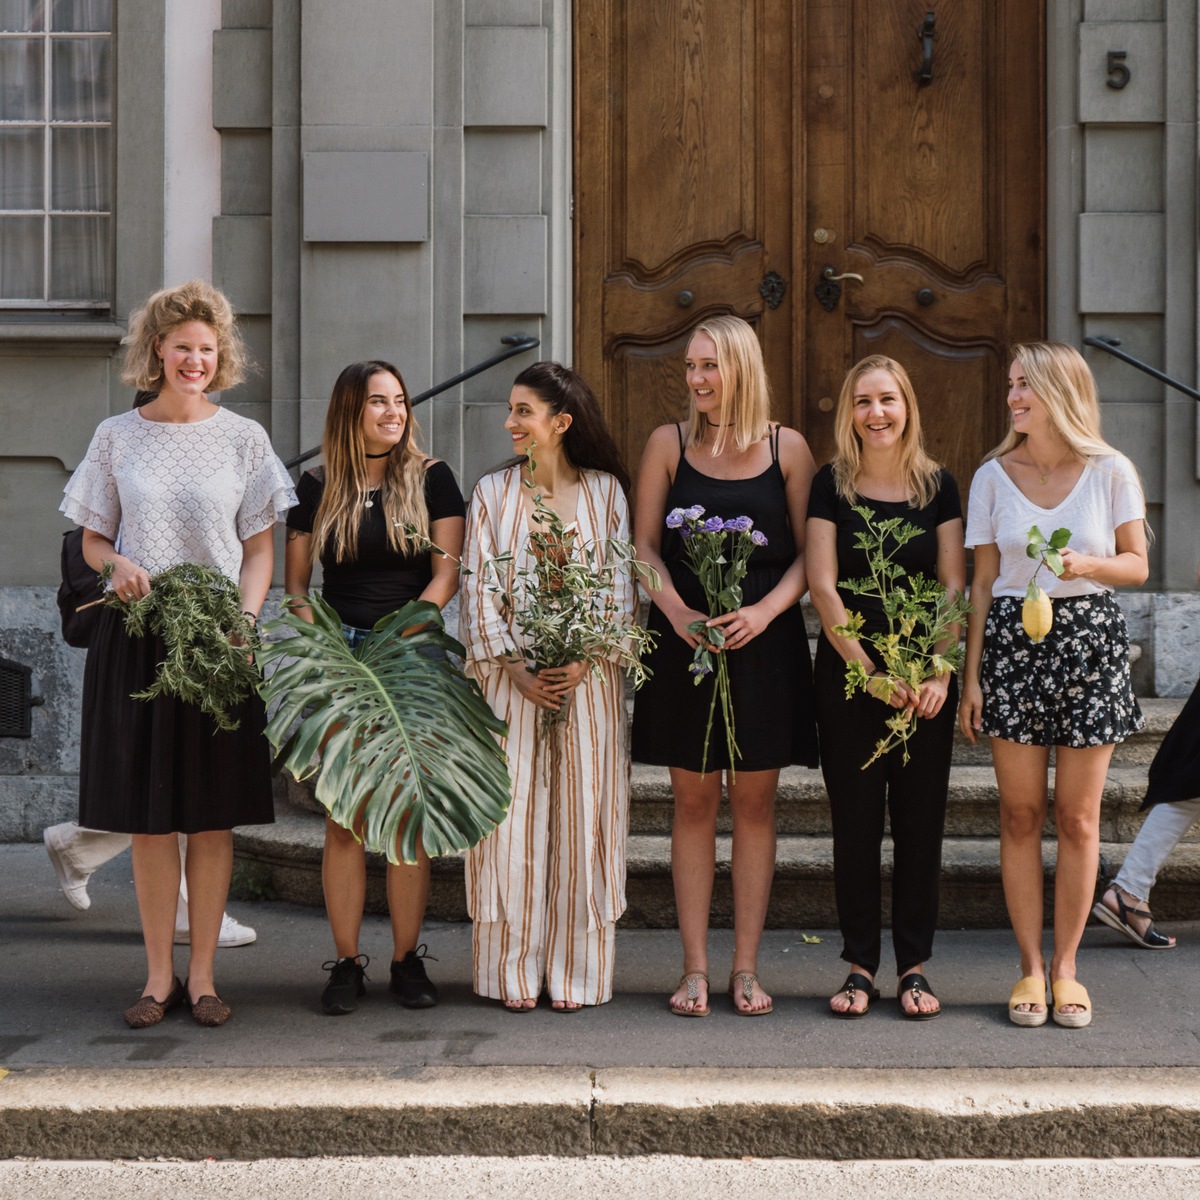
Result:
x=545 y=890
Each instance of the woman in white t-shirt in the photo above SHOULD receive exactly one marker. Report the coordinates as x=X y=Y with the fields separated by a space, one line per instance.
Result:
x=1072 y=689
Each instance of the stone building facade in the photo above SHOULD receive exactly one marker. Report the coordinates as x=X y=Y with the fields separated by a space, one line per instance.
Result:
x=395 y=178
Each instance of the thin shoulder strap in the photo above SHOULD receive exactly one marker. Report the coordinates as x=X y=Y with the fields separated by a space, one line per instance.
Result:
x=679 y=435
x=775 y=443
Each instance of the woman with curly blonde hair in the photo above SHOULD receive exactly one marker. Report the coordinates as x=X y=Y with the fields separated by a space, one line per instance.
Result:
x=178 y=480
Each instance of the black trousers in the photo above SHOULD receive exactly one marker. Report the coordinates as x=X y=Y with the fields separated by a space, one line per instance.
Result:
x=915 y=800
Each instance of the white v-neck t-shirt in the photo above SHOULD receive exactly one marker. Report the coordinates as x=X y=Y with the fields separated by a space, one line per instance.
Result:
x=1107 y=494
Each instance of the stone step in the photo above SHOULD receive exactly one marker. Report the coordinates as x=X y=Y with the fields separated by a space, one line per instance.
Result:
x=802 y=805
x=284 y=861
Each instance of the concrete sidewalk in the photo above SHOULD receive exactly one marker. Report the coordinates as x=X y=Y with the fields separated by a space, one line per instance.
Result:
x=283 y=1079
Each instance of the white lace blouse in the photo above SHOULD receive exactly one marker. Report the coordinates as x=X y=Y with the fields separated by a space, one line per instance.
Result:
x=167 y=494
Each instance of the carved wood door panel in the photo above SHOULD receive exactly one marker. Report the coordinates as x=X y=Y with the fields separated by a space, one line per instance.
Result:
x=683 y=194
x=933 y=193
x=720 y=143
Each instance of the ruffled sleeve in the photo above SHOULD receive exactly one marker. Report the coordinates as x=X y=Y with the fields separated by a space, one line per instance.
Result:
x=91 y=497
x=269 y=492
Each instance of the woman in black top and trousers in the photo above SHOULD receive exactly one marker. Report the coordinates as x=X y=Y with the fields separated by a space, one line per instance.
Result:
x=881 y=465
x=357 y=515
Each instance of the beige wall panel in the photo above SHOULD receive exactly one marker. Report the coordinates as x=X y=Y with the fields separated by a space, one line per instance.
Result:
x=1124 y=168
x=1142 y=97
x=1121 y=262
x=504 y=264
x=241 y=79
x=52 y=406
x=504 y=78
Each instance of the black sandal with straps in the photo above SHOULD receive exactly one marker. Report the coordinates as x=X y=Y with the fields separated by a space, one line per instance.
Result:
x=917 y=985
x=854 y=984
x=1119 y=920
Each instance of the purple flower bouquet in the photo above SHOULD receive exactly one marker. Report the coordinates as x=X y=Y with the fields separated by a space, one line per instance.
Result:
x=717 y=552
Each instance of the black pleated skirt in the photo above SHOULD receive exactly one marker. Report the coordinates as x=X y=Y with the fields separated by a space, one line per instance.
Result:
x=162 y=766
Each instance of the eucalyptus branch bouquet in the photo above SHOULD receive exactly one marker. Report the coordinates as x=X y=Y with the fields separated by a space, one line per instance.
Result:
x=197 y=612
x=717 y=553
x=561 y=599
x=921 y=615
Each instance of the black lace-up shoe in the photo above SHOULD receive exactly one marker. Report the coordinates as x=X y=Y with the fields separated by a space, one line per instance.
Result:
x=409 y=981
x=345 y=985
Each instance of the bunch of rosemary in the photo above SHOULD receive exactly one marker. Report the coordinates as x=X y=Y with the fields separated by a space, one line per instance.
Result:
x=197 y=612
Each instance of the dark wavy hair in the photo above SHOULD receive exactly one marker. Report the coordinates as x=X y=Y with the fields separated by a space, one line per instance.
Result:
x=587 y=443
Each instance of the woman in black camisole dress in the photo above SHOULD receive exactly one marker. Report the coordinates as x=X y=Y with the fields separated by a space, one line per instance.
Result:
x=730 y=459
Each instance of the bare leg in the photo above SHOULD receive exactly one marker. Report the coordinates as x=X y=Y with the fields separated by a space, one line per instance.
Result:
x=156 y=880
x=1021 y=777
x=752 y=799
x=693 y=864
x=1078 y=788
x=209 y=867
x=407 y=894
x=344 y=878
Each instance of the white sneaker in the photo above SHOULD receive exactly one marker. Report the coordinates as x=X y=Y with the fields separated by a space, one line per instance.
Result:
x=232 y=934
x=72 y=881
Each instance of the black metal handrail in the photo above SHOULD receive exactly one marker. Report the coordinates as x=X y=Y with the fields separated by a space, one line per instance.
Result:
x=1110 y=344
x=517 y=343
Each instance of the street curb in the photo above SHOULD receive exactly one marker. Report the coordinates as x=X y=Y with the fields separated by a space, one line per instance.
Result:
x=574 y=1110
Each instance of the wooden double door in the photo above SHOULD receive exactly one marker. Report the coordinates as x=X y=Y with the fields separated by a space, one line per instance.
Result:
x=733 y=154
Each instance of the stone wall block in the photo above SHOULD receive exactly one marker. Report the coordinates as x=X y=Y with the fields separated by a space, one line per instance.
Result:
x=505 y=75
x=241 y=79
x=242 y=261
x=1122 y=262
x=388 y=202
x=1143 y=45
x=1176 y=643
x=504 y=264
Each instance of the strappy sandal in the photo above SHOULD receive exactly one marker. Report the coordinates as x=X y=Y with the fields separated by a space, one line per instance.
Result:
x=1119 y=920
x=1071 y=992
x=1030 y=990
x=747 y=980
x=854 y=984
x=691 y=980
x=916 y=983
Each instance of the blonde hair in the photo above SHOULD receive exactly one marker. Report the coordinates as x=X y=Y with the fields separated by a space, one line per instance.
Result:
x=918 y=470
x=343 y=446
x=1060 y=378
x=745 y=391
x=165 y=312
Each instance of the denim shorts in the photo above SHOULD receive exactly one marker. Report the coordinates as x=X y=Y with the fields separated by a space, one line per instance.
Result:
x=354 y=636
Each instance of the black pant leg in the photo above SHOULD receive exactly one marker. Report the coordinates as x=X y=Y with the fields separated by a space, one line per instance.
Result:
x=848 y=730
x=917 y=811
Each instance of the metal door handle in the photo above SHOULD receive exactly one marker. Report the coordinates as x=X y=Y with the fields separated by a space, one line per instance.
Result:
x=828 y=274
x=925 y=36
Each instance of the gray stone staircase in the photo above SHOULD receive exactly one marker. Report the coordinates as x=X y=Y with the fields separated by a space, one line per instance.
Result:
x=284 y=859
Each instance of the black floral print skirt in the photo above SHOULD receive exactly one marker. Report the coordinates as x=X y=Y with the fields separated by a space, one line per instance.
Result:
x=1071 y=689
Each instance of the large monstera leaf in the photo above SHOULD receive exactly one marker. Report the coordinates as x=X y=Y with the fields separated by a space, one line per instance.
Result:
x=398 y=734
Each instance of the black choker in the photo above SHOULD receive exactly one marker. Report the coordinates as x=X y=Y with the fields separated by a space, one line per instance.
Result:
x=385 y=454
x=718 y=424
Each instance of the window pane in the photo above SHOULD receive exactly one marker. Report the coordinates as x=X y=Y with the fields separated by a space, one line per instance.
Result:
x=80 y=169
x=82 y=16
x=82 y=90
x=22 y=16
x=21 y=258
x=21 y=155
x=21 y=85
x=79 y=258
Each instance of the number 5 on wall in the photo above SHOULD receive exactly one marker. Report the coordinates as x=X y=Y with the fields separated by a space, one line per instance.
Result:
x=1118 y=72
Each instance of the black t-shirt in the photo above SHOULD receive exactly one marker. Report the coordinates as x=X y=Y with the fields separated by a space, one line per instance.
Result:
x=378 y=580
x=919 y=555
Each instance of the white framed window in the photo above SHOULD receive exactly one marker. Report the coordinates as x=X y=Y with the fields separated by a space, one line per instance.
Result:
x=56 y=154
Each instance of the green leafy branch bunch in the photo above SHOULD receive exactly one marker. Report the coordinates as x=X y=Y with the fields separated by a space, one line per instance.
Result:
x=922 y=619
